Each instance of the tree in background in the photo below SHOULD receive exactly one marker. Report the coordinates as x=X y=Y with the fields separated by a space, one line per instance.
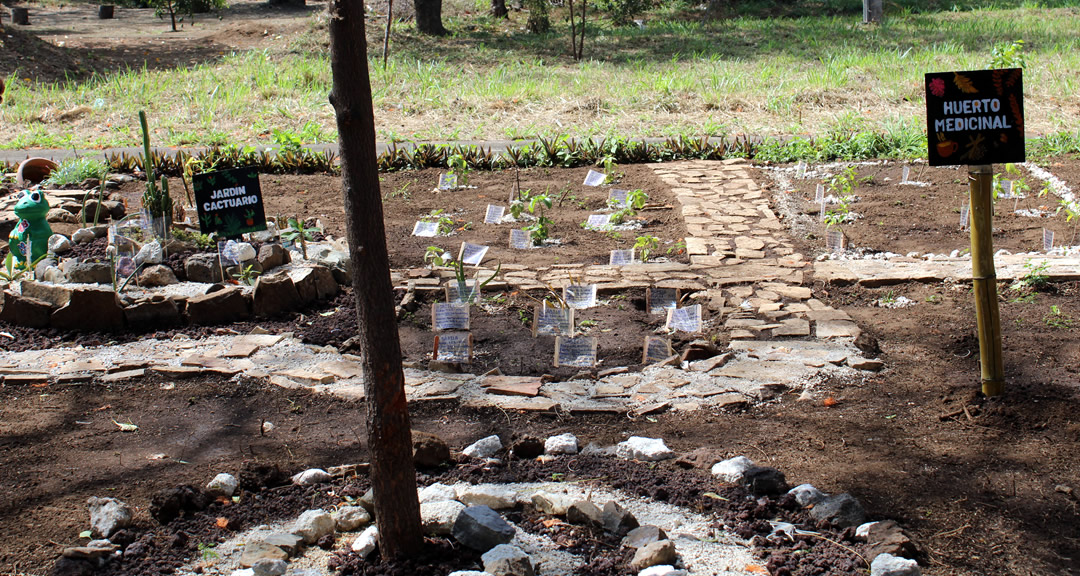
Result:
x=184 y=8
x=429 y=17
x=393 y=474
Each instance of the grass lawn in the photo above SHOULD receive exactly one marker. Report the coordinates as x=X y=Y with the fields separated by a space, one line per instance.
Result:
x=755 y=72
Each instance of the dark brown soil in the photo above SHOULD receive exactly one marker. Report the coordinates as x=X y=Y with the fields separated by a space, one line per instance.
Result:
x=902 y=218
x=986 y=486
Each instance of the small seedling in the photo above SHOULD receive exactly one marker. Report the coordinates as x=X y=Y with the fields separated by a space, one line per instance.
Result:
x=247 y=275
x=446 y=223
x=646 y=246
x=1057 y=319
x=539 y=230
x=296 y=231
x=1035 y=278
x=437 y=256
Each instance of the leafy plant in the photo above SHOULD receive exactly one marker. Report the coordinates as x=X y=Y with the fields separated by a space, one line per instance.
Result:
x=459 y=275
x=295 y=231
x=845 y=183
x=677 y=248
x=74 y=171
x=202 y=241
x=459 y=166
x=446 y=223
x=1008 y=55
x=247 y=275
x=1035 y=278
x=539 y=230
x=636 y=199
x=437 y=256
x=14 y=270
x=1019 y=183
x=646 y=245
x=1057 y=319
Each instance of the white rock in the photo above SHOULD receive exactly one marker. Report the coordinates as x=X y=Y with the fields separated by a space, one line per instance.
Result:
x=270 y=567
x=490 y=495
x=731 y=470
x=805 y=494
x=863 y=531
x=561 y=444
x=243 y=572
x=311 y=476
x=349 y=518
x=439 y=517
x=641 y=448
x=107 y=515
x=224 y=483
x=150 y=253
x=267 y=427
x=59 y=244
x=662 y=570
x=245 y=252
x=483 y=448
x=312 y=525
x=470 y=573
x=552 y=503
x=507 y=560
x=82 y=236
x=437 y=493
x=365 y=543
x=889 y=565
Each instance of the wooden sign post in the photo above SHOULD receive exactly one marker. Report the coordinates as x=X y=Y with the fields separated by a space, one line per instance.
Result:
x=977 y=118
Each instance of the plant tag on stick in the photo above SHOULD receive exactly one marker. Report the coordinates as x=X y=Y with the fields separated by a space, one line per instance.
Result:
x=552 y=321
x=454 y=347
x=594 y=178
x=426 y=229
x=580 y=296
x=447 y=181
x=821 y=212
x=834 y=241
x=621 y=257
x=1006 y=189
x=684 y=319
x=494 y=214
x=906 y=172
x=964 y=220
x=819 y=193
x=472 y=253
x=449 y=316
x=1048 y=240
x=618 y=198
x=800 y=170
x=598 y=221
x=658 y=300
x=580 y=351
x=454 y=293
x=656 y=349
x=519 y=239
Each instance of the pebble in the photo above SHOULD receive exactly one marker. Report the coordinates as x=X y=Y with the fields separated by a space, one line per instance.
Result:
x=83 y=236
x=367 y=540
x=732 y=469
x=311 y=476
x=439 y=517
x=482 y=528
x=223 y=483
x=107 y=515
x=553 y=504
x=561 y=444
x=646 y=449
x=59 y=244
x=617 y=519
x=807 y=495
x=437 y=493
x=889 y=565
x=842 y=510
x=312 y=525
x=269 y=567
x=662 y=570
x=507 y=560
x=643 y=536
x=349 y=518
x=662 y=552
x=483 y=448
x=490 y=495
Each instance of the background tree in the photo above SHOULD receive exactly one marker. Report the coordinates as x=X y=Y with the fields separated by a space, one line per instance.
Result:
x=393 y=474
x=498 y=9
x=429 y=17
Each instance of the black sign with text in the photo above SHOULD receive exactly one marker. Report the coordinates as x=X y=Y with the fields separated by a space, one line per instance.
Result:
x=229 y=202
x=975 y=117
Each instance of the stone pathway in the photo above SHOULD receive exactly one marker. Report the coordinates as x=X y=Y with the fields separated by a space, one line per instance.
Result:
x=744 y=270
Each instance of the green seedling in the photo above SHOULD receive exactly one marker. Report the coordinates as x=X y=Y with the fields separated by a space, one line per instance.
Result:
x=436 y=256
x=247 y=275
x=646 y=246
x=446 y=223
x=297 y=232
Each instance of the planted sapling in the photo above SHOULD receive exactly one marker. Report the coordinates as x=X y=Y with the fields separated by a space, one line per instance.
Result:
x=646 y=246
x=297 y=232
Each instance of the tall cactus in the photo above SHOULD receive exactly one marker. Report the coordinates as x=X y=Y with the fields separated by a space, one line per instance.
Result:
x=156 y=199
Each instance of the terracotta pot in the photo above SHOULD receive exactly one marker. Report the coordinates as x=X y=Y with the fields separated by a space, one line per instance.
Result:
x=33 y=171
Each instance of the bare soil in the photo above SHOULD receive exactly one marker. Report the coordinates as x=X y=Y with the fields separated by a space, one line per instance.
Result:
x=985 y=486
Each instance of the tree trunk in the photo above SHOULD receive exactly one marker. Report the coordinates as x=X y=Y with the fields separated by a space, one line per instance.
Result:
x=498 y=9
x=429 y=17
x=393 y=475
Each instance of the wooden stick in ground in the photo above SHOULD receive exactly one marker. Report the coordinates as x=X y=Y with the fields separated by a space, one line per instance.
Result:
x=393 y=474
x=984 y=279
x=386 y=35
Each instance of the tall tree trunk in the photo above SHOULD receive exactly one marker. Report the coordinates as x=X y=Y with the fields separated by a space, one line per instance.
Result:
x=429 y=17
x=393 y=474
x=498 y=9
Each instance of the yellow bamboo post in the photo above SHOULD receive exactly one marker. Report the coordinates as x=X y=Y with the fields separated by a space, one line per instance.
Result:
x=984 y=278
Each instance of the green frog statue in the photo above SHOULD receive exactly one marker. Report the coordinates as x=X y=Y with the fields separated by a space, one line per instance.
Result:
x=32 y=232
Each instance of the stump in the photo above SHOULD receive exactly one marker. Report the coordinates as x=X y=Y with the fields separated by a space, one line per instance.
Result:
x=105 y=12
x=20 y=16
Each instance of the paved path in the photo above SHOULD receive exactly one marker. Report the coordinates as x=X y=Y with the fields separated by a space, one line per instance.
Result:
x=744 y=269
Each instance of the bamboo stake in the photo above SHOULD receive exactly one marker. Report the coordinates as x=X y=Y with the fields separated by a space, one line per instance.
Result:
x=984 y=279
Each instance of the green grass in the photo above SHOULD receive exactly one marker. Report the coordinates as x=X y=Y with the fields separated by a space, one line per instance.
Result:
x=819 y=77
